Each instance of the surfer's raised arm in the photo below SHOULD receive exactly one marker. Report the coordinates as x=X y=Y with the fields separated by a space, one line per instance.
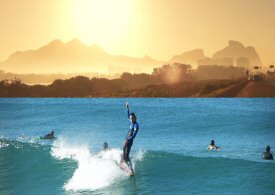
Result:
x=127 y=107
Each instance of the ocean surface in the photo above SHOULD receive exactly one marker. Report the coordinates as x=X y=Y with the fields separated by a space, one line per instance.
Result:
x=169 y=154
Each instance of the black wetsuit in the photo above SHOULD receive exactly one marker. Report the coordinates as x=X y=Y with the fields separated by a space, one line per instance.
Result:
x=267 y=156
x=130 y=138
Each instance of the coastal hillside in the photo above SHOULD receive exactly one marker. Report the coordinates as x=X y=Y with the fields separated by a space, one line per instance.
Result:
x=244 y=88
x=139 y=86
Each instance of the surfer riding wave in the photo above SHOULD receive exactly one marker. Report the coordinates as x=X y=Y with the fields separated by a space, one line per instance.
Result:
x=128 y=142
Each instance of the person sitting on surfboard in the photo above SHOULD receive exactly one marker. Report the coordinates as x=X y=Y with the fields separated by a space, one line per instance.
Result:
x=49 y=135
x=213 y=146
x=130 y=135
x=267 y=155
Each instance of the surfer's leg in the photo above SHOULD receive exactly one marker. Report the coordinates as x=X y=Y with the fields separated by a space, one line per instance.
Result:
x=127 y=151
x=124 y=152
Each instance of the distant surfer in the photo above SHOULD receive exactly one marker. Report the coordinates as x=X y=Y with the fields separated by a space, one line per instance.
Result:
x=213 y=146
x=49 y=135
x=128 y=142
x=105 y=146
x=267 y=155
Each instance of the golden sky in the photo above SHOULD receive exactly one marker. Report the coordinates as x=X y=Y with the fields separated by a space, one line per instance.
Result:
x=158 y=28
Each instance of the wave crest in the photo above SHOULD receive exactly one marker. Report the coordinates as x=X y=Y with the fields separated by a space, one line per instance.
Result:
x=94 y=171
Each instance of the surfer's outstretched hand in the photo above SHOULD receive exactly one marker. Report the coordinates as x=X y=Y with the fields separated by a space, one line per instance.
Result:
x=127 y=105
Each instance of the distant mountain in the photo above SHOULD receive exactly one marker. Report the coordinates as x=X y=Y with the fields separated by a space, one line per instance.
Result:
x=235 y=54
x=237 y=50
x=190 y=57
x=74 y=56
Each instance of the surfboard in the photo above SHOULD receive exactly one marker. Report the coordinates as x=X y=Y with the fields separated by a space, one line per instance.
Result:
x=127 y=168
x=213 y=148
x=53 y=138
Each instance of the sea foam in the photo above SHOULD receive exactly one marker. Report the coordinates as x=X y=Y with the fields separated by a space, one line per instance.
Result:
x=94 y=171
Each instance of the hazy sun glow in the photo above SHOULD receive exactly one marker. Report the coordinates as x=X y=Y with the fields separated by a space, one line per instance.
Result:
x=135 y=28
x=104 y=20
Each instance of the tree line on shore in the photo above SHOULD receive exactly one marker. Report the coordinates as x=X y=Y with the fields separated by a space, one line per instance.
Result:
x=176 y=80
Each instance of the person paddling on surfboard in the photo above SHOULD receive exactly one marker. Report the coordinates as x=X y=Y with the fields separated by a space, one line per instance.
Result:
x=49 y=135
x=128 y=142
x=213 y=146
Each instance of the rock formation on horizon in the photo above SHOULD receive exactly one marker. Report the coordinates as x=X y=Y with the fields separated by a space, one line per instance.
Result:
x=190 y=57
x=74 y=56
x=237 y=50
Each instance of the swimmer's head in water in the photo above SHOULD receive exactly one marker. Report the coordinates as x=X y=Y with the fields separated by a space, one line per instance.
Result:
x=105 y=146
x=267 y=148
x=212 y=143
x=52 y=132
x=133 y=117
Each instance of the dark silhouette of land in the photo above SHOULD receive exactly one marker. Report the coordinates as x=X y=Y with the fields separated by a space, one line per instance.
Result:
x=224 y=75
x=46 y=79
x=177 y=80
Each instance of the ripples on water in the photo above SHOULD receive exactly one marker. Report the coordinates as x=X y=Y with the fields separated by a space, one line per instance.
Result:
x=169 y=152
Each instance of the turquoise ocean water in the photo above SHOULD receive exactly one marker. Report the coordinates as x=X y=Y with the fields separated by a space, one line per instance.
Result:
x=169 y=153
